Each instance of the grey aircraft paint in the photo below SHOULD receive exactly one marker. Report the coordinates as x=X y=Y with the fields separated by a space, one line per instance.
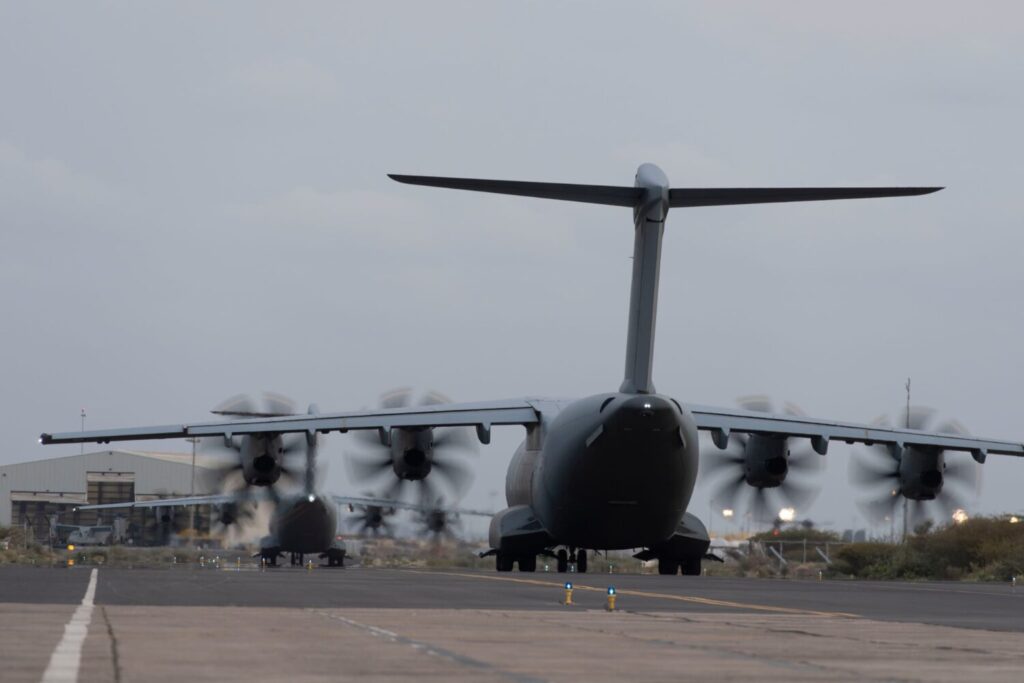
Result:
x=302 y=524
x=616 y=471
x=612 y=470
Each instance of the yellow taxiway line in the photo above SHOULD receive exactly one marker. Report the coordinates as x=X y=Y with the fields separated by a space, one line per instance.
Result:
x=649 y=594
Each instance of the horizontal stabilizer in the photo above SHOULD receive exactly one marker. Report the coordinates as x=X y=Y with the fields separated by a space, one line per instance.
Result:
x=720 y=196
x=678 y=197
x=592 y=194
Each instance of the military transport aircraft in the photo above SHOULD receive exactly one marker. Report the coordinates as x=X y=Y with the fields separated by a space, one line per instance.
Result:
x=614 y=470
x=302 y=522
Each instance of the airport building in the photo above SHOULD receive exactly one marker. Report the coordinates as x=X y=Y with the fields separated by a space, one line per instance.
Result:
x=42 y=496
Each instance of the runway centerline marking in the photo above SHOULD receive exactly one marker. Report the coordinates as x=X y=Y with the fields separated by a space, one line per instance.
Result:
x=649 y=594
x=67 y=656
x=427 y=648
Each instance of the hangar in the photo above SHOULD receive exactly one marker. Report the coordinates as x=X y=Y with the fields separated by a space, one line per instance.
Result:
x=42 y=495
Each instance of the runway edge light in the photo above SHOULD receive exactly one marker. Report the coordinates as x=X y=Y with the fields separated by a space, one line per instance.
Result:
x=568 y=594
x=611 y=599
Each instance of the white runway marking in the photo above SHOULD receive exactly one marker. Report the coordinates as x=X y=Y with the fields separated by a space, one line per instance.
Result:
x=67 y=655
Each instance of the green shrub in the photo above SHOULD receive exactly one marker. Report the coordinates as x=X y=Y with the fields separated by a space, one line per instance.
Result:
x=865 y=560
x=981 y=549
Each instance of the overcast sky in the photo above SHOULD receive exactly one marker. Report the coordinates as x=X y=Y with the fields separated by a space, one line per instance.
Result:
x=194 y=204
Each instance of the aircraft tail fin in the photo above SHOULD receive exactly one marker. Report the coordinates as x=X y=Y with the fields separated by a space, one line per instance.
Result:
x=591 y=194
x=720 y=196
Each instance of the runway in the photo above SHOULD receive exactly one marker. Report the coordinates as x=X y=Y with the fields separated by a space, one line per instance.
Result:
x=379 y=624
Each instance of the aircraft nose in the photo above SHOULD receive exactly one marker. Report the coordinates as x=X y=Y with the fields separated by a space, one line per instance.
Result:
x=647 y=413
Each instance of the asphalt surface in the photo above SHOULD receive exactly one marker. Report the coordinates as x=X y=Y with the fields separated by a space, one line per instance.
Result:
x=361 y=624
x=964 y=605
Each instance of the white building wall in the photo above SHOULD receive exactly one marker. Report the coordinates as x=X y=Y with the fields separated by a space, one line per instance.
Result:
x=163 y=473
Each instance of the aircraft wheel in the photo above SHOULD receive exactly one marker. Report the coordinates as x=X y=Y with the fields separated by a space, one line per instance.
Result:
x=581 y=561
x=503 y=562
x=691 y=567
x=667 y=567
x=528 y=563
x=562 y=561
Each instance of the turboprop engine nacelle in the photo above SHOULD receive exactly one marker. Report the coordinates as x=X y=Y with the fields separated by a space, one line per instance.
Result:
x=766 y=461
x=921 y=473
x=412 y=452
x=260 y=457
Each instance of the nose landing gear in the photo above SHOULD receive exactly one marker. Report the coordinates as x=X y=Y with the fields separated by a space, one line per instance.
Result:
x=581 y=561
x=562 y=561
x=563 y=558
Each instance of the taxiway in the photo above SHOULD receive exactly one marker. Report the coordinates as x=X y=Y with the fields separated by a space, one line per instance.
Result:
x=377 y=624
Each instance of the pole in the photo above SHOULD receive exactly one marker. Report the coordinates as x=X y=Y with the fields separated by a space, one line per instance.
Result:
x=906 y=502
x=711 y=514
x=192 y=493
x=81 y=446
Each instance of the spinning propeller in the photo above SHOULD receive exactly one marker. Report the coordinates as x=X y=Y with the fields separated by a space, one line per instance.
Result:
x=932 y=486
x=761 y=473
x=426 y=459
x=372 y=519
x=436 y=523
x=235 y=516
x=258 y=460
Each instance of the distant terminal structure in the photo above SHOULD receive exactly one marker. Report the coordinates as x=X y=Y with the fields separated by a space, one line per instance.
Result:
x=42 y=496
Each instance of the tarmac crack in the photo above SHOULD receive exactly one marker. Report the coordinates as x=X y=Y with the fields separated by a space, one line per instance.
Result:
x=793 y=665
x=115 y=659
x=847 y=638
x=430 y=649
x=804 y=632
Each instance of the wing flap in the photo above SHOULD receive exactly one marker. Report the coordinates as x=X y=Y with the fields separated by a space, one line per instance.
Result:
x=482 y=415
x=726 y=420
x=214 y=499
x=403 y=505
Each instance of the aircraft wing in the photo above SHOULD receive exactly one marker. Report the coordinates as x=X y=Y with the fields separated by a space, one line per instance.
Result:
x=402 y=505
x=213 y=499
x=479 y=415
x=722 y=421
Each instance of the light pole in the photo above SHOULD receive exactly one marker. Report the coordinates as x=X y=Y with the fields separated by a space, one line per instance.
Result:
x=81 y=446
x=906 y=505
x=192 y=492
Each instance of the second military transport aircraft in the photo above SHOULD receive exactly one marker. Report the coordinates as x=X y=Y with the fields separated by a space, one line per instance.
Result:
x=303 y=521
x=615 y=470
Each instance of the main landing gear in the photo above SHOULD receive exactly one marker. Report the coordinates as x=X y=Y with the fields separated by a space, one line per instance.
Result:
x=506 y=562
x=688 y=567
x=268 y=557
x=335 y=557
x=297 y=559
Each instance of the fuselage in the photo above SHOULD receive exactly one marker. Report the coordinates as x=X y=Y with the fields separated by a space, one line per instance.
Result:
x=304 y=524
x=617 y=470
x=614 y=471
